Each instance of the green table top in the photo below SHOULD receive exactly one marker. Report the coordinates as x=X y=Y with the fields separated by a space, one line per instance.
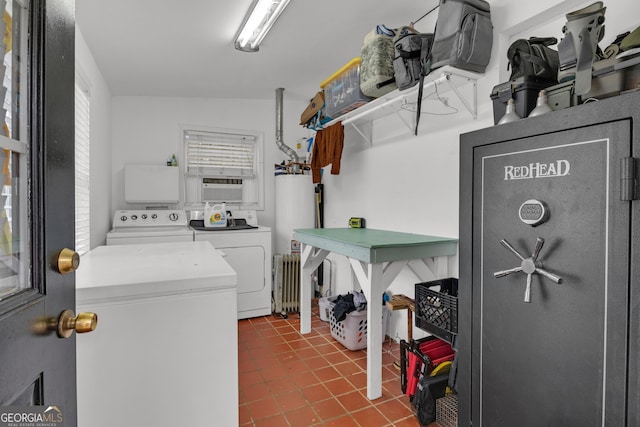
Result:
x=372 y=246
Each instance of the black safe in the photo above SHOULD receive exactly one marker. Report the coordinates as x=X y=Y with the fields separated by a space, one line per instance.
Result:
x=549 y=303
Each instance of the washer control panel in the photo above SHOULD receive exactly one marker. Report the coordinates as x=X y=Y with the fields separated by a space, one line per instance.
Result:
x=533 y=212
x=149 y=218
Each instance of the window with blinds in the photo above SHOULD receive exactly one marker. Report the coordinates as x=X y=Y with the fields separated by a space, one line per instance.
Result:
x=220 y=154
x=223 y=165
x=83 y=223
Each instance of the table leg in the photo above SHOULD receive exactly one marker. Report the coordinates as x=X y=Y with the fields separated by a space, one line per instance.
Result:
x=305 y=290
x=310 y=259
x=374 y=332
x=374 y=281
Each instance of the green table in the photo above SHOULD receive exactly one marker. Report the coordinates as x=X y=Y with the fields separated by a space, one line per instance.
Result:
x=376 y=257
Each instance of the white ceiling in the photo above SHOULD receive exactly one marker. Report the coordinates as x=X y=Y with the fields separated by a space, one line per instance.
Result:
x=185 y=48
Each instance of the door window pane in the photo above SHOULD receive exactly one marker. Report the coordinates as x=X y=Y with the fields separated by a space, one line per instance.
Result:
x=14 y=152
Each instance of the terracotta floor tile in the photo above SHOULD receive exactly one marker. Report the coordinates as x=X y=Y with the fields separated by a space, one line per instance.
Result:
x=327 y=373
x=245 y=416
x=304 y=379
x=263 y=408
x=302 y=417
x=269 y=331
x=277 y=348
x=263 y=360
x=295 y=367
x=393 y=410
x=288 y=379
x=315 y=363
x=389 y=374
x=287 y=357
x=348 y=368
x=339 y=386
x=292 y=400
x=306 y=353
x=356 y=355
x=388 y=357
x=358 y=380
x=362 y=362
x=343 y=421
x=370 y=417
x=325 y=349
x=392 y=387
x=298 y=344
x=257 y=391
x=316 y=393
x=278 y=420
x=410 y=421
x=278 y=387
x=274 y=372
x=337 y=357
x=328 y=409
x=247 y=379
x=318 y=341
x=285 y=328
x=354 y=401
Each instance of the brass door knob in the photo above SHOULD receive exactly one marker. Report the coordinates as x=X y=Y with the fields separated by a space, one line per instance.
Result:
x=83 y=322
x=67 y=261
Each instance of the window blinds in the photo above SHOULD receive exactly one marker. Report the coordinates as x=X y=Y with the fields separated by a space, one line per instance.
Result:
x=220 y=153
x=82 y=162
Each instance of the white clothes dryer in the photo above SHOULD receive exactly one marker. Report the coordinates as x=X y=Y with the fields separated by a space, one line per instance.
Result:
x=246 y=246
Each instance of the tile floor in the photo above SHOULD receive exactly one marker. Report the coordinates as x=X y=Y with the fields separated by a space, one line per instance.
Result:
x=289 y=379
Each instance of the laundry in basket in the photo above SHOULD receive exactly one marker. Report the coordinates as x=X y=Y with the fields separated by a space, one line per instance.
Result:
x=351 y=332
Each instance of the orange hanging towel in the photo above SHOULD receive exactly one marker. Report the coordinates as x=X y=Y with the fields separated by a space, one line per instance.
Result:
x=327 y=150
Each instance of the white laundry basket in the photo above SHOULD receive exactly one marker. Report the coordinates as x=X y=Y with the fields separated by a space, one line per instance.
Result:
x=325 y=305
x=352 y=331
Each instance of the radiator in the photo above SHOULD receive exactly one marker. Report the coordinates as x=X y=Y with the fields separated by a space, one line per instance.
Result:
x=286 y=283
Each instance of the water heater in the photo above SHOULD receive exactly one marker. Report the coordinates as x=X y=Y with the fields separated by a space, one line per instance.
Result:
x=295 y=208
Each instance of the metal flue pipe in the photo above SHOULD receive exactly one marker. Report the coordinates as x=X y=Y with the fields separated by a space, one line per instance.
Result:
x=279 y=140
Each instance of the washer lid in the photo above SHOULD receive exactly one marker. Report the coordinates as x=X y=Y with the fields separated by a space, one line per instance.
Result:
x=130 y=272
x=144 y=232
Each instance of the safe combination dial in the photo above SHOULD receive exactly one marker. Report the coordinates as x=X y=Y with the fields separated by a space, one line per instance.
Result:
x=529 y=266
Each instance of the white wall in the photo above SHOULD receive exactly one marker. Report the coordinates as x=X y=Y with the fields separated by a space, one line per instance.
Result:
x=147 y=130
x=100 y=150
x=410 y=183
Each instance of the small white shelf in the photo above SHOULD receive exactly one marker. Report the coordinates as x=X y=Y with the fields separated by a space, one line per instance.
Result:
x=450 y=78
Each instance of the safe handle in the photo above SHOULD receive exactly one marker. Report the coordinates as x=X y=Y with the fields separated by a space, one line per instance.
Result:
x=529 y=266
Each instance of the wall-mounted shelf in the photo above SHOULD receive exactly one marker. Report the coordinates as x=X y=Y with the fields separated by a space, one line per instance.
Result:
x=451 y=79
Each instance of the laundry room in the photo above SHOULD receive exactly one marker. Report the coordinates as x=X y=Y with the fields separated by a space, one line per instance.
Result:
x=248 y=209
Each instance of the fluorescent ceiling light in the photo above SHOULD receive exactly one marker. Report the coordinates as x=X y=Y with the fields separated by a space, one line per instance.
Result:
x=260 y=20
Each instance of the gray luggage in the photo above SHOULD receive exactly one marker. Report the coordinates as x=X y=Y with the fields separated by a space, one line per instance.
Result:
x=463 y=36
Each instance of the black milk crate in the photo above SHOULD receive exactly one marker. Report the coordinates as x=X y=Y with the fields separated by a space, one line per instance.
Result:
x=437 y=311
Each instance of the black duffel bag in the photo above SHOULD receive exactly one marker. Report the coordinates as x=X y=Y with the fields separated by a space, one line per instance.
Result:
x=411 y=53
x=534 y=58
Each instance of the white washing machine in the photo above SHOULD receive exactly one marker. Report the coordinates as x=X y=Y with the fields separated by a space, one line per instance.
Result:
x=164 y=353
x=246 y=246
x=132 y=227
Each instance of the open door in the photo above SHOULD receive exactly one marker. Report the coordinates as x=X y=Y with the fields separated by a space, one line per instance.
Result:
x=37 y=365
